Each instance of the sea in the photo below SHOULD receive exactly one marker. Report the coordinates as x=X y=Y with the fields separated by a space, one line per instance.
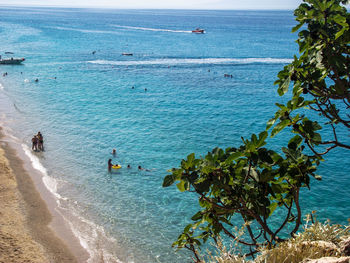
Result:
x=179 y=93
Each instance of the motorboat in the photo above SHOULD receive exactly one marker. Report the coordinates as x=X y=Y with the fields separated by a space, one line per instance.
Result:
x=127 y=54
x=198 y=31
x=12 y=61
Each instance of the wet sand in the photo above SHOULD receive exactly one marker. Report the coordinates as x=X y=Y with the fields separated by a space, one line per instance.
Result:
x=30 y=229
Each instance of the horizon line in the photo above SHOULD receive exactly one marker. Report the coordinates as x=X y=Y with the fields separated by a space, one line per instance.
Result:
x=141 y=8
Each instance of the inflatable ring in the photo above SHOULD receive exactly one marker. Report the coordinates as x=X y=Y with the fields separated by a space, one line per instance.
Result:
x=116 y=166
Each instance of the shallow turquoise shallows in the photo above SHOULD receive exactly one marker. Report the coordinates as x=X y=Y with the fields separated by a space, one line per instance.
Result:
x=167 y=100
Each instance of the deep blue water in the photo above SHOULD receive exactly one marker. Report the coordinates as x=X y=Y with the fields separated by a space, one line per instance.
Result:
x=85 y=106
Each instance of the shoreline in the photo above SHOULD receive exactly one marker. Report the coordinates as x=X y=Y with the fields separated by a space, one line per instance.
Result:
x=32 y=228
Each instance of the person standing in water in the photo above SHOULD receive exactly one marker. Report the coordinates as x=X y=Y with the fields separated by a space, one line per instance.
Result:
x=40 y=141
x=34 y=143
x=110 y=165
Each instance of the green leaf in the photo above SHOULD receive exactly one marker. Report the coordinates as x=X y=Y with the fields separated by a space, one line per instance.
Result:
x=187 y=228
x=168 y=180
x=279 y=127
x=190 y=159
x=294 y=29
x=271 y=122
x=262 y=137
x=284 y=87
x=197 y=216
x=295 y=142
x=277 y=188
x=254 y=139
x=233 y=157
x=272 y=208
x=181 y=186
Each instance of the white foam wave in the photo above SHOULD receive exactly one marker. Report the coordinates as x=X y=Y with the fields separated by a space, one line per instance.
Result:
x=91 y=236
x=199 y=61
x=49 y=182
x=1 y=87
x=153 y=29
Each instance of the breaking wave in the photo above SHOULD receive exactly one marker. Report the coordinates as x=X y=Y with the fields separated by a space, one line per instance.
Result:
x=194 y=61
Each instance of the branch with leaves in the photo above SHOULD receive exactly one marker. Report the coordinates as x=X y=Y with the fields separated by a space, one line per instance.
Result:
x=260 y=184
x=251 y=181
x=320 y=76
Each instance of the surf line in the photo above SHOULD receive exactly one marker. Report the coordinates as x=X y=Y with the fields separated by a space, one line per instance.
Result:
x=184 y=61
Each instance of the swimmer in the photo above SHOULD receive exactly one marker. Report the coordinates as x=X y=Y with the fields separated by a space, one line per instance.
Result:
x=110 y=165
x=36 y=80
x=114 y=152
x=128 y=166
x=143 y=169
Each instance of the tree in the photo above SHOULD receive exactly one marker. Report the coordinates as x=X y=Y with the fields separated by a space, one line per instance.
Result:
x=255 y=182
x=321 y=74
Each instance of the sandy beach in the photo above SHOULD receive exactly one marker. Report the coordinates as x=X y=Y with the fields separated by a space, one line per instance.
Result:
x=27 y=223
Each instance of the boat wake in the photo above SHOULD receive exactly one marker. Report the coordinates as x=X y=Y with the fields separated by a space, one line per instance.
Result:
x=152 y=29
x=194 y=61
x=85 y=30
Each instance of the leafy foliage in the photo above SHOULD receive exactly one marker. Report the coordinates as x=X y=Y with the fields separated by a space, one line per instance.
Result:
x=254 y=182
x=251 y=181
x=320 y=76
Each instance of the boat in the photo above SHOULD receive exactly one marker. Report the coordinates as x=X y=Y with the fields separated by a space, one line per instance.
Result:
x=198 y=31
x=12 y=61
x=127 y=54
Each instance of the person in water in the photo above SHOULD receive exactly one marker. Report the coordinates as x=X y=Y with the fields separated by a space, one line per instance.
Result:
x=128 y=166
x=110 y=165
x=143 y=169
x=40 y=141
x=34 y=143
x=114 y=152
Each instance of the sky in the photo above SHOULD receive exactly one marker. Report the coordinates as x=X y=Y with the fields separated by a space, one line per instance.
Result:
x=161 y=4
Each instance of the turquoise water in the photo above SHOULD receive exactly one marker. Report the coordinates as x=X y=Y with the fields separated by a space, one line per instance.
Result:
x=85 y=106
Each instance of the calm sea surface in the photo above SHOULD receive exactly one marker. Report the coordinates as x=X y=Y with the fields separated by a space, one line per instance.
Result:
x=85 y=106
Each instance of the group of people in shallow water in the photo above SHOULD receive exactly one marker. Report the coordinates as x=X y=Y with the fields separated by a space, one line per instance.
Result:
x=114 y=153
x=38 y=142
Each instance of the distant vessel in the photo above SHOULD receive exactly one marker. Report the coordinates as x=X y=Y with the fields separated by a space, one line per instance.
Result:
x=12 y=61
x=127 y=54
x=198 y=31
